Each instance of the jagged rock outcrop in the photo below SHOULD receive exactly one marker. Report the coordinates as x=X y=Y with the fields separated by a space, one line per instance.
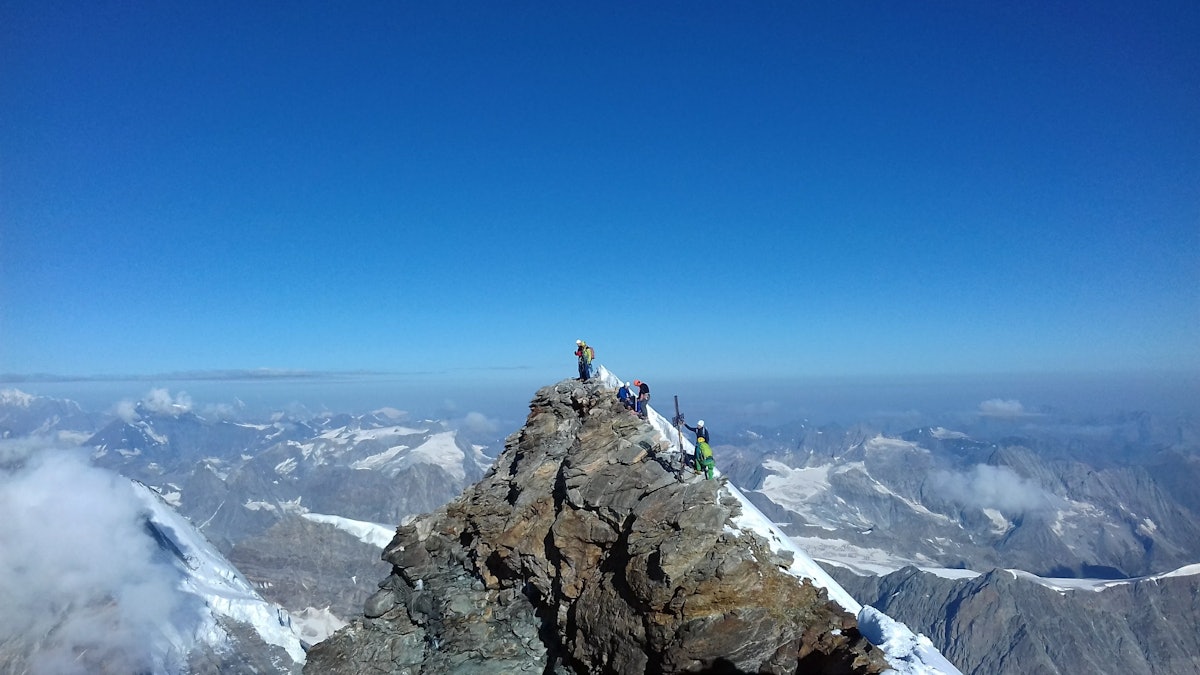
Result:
x=584 y=550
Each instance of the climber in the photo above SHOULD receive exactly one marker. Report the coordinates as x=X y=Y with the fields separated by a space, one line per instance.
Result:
x=700 y=430
x=704 y=458
x=585 y=354
x=643 y=398
x=625 y=394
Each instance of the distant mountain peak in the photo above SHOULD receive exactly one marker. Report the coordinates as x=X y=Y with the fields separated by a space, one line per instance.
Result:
x=16 y=397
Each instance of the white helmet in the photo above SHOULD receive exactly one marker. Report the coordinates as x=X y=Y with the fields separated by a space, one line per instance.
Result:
x=626 y=384
x=700 y=423
x=579 y=342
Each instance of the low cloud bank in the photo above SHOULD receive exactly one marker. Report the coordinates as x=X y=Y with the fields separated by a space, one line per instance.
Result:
x=992 y=487
x=82 y=586
x=157 y=401
x=1000 y=407
x=478 y=423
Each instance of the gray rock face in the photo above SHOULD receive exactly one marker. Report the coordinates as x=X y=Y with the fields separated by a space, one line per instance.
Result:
x=583 y=551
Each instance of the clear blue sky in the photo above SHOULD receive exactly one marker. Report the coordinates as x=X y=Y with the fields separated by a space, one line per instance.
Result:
x=738 y=189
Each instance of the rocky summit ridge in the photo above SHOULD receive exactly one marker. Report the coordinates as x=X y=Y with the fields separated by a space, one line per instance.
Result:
x=585 y=549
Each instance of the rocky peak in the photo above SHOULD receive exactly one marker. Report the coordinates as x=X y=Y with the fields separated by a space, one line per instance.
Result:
x=586 y=549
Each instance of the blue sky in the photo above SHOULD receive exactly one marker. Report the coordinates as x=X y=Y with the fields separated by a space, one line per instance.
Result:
x=697 y=188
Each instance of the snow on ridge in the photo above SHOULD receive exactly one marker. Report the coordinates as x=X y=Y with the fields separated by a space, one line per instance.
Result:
x=286 y=466
x=289 y=506
x=803 y=566
x=368 y=533
x=153 y=435
x=379 y=459
x=1063 y=585
x=942 y=433
x=313 y=625
x=753 y=520
x=390 y=413
x=862 y=560
x=381 y=432
x=916 y=506
x=217 y=582
x=908 y=653
x=793 y=489
x=883 y=443
x=16 y=397
x=1185 y=571
x=1000 y=524
x=441 y=449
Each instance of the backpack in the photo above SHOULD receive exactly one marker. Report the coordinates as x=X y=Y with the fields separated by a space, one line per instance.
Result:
x=704 y=460
x=589 y=353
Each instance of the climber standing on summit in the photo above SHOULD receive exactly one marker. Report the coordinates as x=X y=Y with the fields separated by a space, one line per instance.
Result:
x=702 y=459
x=585 y=354
x=700 y=430
x=643 y=398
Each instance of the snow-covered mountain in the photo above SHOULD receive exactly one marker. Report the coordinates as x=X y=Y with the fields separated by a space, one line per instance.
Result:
x=229 y=600
x=99 y=575
x=1092 y=556
x=269 y=493
x=1009 y=622
x=23 y=414
x=1091 y=520
x=937 y=498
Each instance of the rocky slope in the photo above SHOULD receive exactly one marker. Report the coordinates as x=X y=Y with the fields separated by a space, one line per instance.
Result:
x=584 y=550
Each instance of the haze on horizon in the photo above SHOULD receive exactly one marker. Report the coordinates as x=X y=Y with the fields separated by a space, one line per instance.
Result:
x=498 y=407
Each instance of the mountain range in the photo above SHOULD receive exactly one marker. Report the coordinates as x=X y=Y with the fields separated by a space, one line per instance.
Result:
x=993 y=538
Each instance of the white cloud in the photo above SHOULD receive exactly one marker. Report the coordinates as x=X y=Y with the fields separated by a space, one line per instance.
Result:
x=999 y=407
x=994 y=487
x=156 y=400
x=82 y=588
x=479 y=423
x=392 y=413
x=161 y=401
x=127 y=411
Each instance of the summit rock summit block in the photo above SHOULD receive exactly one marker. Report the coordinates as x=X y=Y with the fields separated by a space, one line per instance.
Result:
x=583 y=550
